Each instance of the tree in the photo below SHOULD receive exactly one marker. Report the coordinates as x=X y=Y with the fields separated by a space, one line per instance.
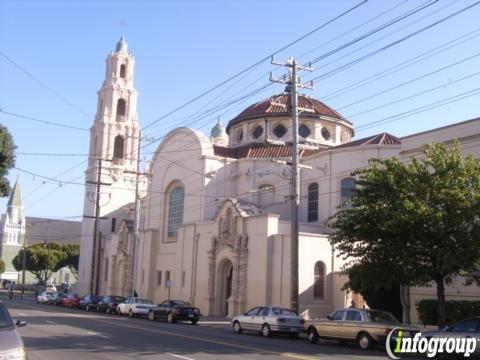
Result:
x=7 y=159
x=41 y=260
x=376 y=287
x=69 y=258
x=419 y=220
x=2 y=266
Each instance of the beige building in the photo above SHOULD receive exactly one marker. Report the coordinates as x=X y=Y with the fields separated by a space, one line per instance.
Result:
x=215 y=220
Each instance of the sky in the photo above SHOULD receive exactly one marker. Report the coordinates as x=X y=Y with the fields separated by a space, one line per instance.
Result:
x=396 y=66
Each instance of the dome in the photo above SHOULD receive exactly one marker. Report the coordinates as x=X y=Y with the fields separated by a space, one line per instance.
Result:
x=121 y=46
x=279 y=105
x=218 y=135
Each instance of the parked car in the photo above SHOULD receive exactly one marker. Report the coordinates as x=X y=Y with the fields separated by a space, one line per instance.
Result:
x=44 y=297
x=89 y=302
x=134 y=306
x=364 y=326
x=11 y=344
x=59 y=299
x=110 y=303
x=466 y=328
x=54 y=298
x=174 y=310
x=268 y=320
x=71 y=301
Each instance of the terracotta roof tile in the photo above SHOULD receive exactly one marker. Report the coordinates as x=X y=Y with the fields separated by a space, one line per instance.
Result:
x=255 y=151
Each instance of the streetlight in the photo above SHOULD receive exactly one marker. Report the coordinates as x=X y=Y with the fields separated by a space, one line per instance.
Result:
x=24 y=264
x=45 y=246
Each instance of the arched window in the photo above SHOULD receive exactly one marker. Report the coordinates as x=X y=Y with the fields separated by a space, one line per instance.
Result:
x=121 y=109
x=266 y=195
x=319 y=280
x=176 y=199
x=312 y=212
x=122 y=70
x=118 y=147
x=347 y=186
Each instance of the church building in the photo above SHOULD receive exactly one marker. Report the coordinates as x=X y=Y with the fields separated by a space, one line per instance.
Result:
x=215 y=215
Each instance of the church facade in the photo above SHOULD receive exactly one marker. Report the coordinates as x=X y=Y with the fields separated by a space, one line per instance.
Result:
x=215 y=218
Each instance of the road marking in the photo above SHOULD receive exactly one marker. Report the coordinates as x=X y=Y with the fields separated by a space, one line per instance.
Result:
x=51 y=322
x=298 y=356
x=97 y=334
x=21 y=314
x=180 y=356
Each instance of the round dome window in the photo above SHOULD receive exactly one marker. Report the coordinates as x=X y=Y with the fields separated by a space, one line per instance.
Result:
x=325 y=133
x=304 y=131
x=280 y=131
x=257 y=132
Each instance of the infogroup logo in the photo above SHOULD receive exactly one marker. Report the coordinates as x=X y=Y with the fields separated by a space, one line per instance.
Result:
x=430 y=346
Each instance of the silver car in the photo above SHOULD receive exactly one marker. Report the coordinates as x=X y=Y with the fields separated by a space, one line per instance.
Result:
x=267 y=320
x=11 y=344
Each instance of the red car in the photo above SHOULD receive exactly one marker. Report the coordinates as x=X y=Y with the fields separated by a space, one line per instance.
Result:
x=71 y=301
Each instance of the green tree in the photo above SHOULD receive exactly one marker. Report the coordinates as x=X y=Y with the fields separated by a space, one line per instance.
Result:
x=7 y=159
x=2 y=266
x=376 y=287
x=41 y=260
x=419 y=220
x=69 y=258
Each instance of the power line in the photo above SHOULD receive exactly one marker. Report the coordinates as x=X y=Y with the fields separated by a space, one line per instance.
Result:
x=42 y=121
x=42 y=84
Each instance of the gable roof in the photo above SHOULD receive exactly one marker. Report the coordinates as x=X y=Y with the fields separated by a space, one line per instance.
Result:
x=379 y=139
x=244 y=208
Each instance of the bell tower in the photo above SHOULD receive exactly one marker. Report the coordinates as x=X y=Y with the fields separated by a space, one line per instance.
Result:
x=113 y=157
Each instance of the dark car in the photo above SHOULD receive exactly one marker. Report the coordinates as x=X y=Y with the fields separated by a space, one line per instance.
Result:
x=55 y=298
x=59 y=299
x=109 y=304
x=174 y=310
x=89 y=302
x=71 y=301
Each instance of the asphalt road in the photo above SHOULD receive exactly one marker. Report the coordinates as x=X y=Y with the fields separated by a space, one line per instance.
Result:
x=58 y=333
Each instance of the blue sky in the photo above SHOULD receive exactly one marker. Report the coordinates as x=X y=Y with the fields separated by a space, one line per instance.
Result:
x=183 y=48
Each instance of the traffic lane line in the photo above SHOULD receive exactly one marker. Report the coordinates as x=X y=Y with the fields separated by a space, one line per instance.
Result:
x=97 y=334
x=180 y=356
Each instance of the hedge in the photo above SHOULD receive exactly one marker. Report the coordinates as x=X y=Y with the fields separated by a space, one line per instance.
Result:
x=454 y=310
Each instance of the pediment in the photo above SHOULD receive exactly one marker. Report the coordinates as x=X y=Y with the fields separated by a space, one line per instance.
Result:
x=238 y=207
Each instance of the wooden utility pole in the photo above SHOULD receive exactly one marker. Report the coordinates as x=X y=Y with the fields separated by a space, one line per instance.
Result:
x=292 y=85
x=96 y=217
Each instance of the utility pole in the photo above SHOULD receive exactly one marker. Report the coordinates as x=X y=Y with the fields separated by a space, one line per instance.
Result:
x=24 y=265
x=294 y=83
x=137 y=218
x=96 y=217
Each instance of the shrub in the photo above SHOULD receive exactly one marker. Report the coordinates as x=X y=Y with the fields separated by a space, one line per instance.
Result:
x=455 y=310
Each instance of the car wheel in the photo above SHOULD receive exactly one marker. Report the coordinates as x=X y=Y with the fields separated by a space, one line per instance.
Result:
x=194 y=322
x=237 y=328
x=266 y=332
x=151 y=316
x=130 y=313
x=170 y=318
x=364 y=341
x=312 y=335
x=118 y=311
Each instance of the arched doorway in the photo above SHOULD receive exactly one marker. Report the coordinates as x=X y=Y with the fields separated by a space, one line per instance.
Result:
x=224 y=286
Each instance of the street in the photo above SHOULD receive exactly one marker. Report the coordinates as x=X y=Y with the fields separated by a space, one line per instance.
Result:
x=59 y=333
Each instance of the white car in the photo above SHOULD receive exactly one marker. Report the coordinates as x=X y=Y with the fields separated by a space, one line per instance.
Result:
x=267 y=320
x=44 y=297
x=135 y=306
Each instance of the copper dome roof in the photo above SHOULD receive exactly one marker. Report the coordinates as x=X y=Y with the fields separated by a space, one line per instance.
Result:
x=279 y=105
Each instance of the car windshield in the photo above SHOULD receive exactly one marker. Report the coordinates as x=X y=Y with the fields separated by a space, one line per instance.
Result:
x=280 y=311
x=143 y=301
x=6 y=321
x=180 y=303
x=381 y=316
x=118 y=298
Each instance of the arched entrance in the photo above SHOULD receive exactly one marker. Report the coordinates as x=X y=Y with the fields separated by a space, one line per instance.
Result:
x=224 y=286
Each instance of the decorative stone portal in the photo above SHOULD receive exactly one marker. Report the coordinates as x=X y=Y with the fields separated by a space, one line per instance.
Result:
x=224 y=287
x=227 y=263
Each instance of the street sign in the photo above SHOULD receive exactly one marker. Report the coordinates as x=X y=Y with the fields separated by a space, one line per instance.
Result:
x=168 y=284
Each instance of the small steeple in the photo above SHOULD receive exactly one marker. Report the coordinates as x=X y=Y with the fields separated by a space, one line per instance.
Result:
x=15 y=196
x=121 y=46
